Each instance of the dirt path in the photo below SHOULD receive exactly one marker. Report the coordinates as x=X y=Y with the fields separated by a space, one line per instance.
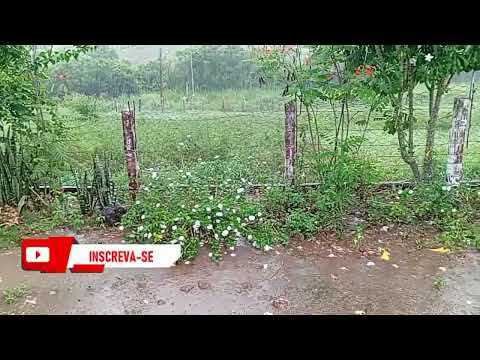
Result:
x=302 y=278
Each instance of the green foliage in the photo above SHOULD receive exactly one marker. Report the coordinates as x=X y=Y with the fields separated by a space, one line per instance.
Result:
x=182 y=207
x=29 y=126
x=451 y=210
x=13 y=295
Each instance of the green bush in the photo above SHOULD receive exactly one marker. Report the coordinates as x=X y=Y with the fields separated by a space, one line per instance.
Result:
x=182 y=207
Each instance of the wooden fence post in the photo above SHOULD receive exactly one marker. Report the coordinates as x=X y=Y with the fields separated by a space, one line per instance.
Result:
x=130 y=150
x=290 y=141
x=461 y=114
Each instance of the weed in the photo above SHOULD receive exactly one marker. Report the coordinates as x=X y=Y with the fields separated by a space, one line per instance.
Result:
x=13 y=295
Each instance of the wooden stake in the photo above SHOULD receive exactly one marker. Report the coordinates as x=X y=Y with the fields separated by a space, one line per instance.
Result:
x=290 y=141
x=130 y=150
x=461 y=114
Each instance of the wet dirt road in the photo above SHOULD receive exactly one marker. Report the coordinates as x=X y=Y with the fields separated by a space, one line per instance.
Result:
x=302 y=278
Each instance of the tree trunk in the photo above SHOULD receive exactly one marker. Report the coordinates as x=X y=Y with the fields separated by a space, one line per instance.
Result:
x=290 y=141
x=461 y=112
x=130 y=150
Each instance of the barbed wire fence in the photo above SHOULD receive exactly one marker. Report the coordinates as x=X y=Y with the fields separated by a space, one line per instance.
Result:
x=253 y=135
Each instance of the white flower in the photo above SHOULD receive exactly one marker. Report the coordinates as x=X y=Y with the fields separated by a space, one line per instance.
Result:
x=121 y=228
x=413 y=61
x=237 y=197
x=229 y=228
x=232 y=248
x=181 y=238
x=239 y=220
x=181 y=144
x=219 y=214
x=234 y=211
x=216 y=236
x=240 y=190
x=249 y=237
x=149 y=235
x=454 y=210
x=209 y=217
x=210 y=197
x=216 y=156
x=410 y=192
x=187 y=262
x=217 y=221
x=428 y=57
x=267 y=248
x=251 y=218
x=140 y=228
x=259 y=214
x=137 y=202
x=210 y=254
x=157 y=205
x=197 y=224
x=208 y=209
x=162 y=232
x=163 y=226
x=174 y=227
x=143 y=217
x=224 y=233
x=188 y=173
x=400 y=192
x=209 y=226
x=145 y=235
x=154 y=175
x=220 y=206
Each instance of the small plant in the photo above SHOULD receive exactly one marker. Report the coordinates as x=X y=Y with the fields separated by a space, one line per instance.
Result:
x=439 y=283
x=359 y=236
x=13 y=295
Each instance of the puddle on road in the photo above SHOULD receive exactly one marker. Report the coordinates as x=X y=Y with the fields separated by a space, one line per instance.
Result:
x=304 y=281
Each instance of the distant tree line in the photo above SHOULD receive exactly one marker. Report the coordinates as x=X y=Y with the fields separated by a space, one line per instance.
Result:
x=103 y=73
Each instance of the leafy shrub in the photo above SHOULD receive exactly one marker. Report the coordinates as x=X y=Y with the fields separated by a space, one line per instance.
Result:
x=183 y=208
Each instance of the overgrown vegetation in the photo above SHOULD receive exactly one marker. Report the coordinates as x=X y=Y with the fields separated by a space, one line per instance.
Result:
x=211 y=145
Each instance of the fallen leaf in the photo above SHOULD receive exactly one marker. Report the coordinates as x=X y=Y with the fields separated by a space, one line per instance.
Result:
x=52 y=292
x=265 y=266
x=343 y=268
x=187 y=262
x=333 y=277
x=331 y=255
x=359 y=312
x=441 y=250
x=469 y=302
x=370 y=263
x=442 y=268
x=395 y=266
x=385 y=255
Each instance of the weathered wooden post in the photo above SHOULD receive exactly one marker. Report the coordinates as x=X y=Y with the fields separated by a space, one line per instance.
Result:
x=139 y=104
x=130 y=150
x=290 y=141
x=461 y=114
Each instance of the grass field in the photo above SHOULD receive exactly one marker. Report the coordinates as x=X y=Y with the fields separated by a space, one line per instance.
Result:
x=244 y=131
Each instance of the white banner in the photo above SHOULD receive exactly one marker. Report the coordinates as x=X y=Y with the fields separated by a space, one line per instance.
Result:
x=125 y=256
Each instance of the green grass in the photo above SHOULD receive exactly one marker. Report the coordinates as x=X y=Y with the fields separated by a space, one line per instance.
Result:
x=14 y=295
x=248 y=142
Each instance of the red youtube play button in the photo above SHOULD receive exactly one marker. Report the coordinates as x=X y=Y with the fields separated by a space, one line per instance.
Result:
x=38 y=254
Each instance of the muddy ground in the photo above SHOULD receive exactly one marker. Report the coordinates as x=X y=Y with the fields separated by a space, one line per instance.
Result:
x=301 y=278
